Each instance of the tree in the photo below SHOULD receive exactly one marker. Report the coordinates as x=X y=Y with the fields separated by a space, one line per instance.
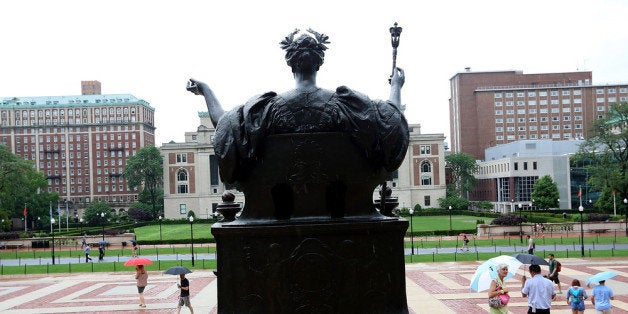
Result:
x=462 y=168
x=21 y=184
x=144 y=170
x=545 y=193
x=140 y=212
x=93 y=213
x=606 y=149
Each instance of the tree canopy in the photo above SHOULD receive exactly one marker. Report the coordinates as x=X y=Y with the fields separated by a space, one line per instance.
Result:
x=606 y=152
x=22 y=185
x=462 y=167
x=545 y=193
x=144 y=170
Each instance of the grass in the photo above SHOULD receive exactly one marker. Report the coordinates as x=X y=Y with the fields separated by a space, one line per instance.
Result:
x=431 y=223
x=479 y=256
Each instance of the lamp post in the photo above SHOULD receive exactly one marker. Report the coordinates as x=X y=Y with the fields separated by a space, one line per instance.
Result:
x=411 y=234
x=626 y=219
x=520 y=223
x=81 y=223
x=102 y=215
x=192 y=238
x=52 y=222
x=581 y=210
x=160 y=227
x=450 y=230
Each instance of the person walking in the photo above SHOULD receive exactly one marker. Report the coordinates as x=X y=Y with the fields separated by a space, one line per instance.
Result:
x=601 y=297
x=497 y=288
x=553 y=272
x=184 y=297
x=134 y=249
x=87 y=251
x=575 y=297
x=142 y=281
x=465 y=243
x=101 y=253
x=531 y=245
x=83 y=241
x=539 y=291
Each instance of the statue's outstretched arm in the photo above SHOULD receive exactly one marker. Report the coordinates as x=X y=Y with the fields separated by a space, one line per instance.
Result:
x=396 y=83
x=213 y=105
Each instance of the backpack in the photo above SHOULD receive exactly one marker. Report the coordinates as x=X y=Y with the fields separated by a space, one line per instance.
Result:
x=558 y=266
x=577 y=296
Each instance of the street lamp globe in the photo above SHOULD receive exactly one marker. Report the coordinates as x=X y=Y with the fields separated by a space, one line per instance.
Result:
x=191 y=218
x=411 y=211
x=52 y=221
x=625 y=201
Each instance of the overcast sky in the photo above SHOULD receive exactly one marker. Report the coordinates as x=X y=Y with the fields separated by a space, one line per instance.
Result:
x=150 y=48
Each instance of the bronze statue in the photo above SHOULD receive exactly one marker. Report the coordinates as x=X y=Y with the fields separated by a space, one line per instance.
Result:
x=377 y=127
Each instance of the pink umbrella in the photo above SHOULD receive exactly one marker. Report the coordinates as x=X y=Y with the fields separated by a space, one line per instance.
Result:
x=138 y=261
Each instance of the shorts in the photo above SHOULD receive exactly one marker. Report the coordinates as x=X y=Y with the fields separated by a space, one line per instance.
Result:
x=185 y=301
x=140 y=289
x=577 y=307
x=554 y=278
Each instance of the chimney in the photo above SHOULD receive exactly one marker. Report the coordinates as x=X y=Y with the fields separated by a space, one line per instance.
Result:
x=90 y=88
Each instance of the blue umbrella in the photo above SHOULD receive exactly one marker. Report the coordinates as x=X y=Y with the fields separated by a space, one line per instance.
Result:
x=601 y=276
x=487 y=271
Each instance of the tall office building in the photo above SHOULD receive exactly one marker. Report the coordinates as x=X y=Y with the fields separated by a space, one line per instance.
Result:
x=493 y=108
x=81 y=143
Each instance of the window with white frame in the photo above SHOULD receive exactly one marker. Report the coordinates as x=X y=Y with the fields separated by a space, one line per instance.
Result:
x=555 y=127
x=533 y=128
x=544 y=127
x=554 y=102
x=578 y=126
x=612 y=99
x=511 y=111
x=555 y=110
x=531 y=102
x=532 y=119
x=531 y=94
x=509 y=95
x=577 y=118
x=182 y=182
x=498 y=104
x=566 y=93
x=521 y=120
x=599 y=91
x=510 y=129
x=521 y=111
x=623 y=90
x=577 y=92
x=542 y=94
x=182 y=158
x=510 y=103
x=521 y=103
x=566 y=118
x=532 y=111
x=577 y=100
x=498 y=95
x=544 y=136
x=510 y=120
x=520 y=94
x=566 y=135
x=555 y=118
x=522 y=136
x=567 y=110
x=543 y=102
x=426 y=149
x=499 y=129
x=600 y=108
x=566 y=101
x=611 y=90
x=498 y=112
x=499 y=120
x=543 y=110
x=567 y=127
x=555 y=135
x=533 y=136
x=554 y=93
x=499 y=137
x=510 y=137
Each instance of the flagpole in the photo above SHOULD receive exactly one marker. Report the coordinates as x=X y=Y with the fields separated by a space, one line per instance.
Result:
x=25 y=219
x=59 y=212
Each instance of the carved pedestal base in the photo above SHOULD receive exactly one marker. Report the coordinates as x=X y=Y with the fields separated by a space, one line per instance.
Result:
x=343 y=266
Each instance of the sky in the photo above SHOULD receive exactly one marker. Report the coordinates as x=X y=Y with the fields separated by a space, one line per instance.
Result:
x=151 y=48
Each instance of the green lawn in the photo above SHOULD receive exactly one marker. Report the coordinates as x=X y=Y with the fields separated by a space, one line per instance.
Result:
x=173 y=232
x=431 y=223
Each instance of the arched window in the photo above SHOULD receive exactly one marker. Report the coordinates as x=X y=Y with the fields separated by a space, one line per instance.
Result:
x=182 y=182
x=426 y=173
x=426 y=166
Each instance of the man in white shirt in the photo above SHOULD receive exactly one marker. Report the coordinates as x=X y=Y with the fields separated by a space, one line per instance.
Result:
x=539 y=290
x=530 y=245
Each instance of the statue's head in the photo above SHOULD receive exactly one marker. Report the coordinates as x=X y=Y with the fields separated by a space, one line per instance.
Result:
x=306 y=53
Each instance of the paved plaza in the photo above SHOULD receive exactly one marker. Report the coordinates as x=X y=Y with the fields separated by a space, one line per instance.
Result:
x=431 y=288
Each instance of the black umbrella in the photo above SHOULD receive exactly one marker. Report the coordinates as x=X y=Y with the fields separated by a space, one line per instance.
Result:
x=102 y=242
x=177 y=270
x=530 y=259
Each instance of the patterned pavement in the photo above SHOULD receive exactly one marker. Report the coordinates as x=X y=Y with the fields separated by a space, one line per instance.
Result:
x=431 y=288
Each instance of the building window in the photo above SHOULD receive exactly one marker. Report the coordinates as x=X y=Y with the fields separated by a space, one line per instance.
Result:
x=182 y=209
x=426 y=166
x=516 y=166
x=182 y=182
x=426 y=179
x=427 y=200
x=498 y=95
x=182 y=157
x=426 y=150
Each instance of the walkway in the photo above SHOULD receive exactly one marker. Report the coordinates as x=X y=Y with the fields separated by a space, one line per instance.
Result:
x=431 y=288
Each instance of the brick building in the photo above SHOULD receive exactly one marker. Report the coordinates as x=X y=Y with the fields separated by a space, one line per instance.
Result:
x=493 y=108
x=80 y=143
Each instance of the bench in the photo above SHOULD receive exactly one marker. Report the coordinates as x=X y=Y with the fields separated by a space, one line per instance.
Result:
x=600 y=230
x=511 y=233
x=11 y=246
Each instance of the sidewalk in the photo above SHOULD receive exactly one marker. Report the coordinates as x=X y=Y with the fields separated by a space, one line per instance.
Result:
x=430 y=288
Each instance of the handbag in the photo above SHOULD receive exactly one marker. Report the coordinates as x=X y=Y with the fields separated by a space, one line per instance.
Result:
x=500 y=300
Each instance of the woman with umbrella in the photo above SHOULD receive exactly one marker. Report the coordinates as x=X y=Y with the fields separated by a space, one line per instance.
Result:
x=142 y=280
x=497 y=288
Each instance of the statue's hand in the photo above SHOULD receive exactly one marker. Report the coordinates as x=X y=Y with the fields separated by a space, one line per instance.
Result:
x=399 y=78
x=195 y=87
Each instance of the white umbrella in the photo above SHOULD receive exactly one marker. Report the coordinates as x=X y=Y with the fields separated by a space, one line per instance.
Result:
x=487 y=271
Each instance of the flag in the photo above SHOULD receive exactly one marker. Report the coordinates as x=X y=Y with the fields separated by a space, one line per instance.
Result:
x=25 y=211
x=579 y=192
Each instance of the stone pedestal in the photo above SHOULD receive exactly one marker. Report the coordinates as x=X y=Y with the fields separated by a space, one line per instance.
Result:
x=325 y=266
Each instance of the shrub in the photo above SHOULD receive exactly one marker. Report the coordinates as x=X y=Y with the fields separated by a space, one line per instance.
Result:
x=597 y=217
x=508 y=220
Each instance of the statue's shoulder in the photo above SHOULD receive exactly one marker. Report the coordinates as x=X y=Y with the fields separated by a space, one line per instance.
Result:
x=348 y=93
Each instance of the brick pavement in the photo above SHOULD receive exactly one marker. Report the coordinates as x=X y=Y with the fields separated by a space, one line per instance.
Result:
x=431 y=288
